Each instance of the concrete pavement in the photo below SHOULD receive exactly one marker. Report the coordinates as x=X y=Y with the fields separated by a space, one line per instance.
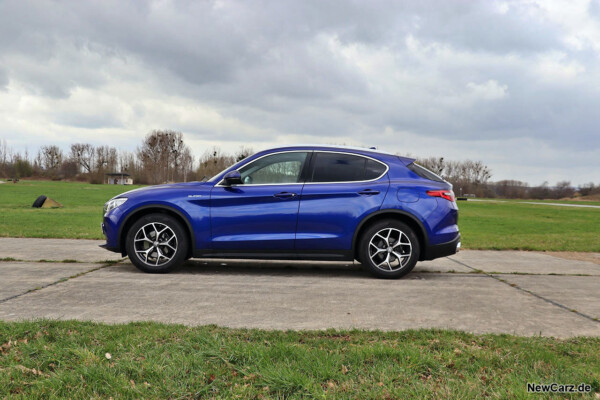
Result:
x=524 y=293
x=55 y=250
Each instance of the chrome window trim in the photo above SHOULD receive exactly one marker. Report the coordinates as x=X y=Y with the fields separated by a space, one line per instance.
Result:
x=387 y=168
x=267 y=184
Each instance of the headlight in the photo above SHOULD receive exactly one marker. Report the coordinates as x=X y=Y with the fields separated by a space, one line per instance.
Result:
x=113 y=203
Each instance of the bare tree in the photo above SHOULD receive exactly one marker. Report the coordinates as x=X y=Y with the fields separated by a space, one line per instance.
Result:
x=242 y=153
x=510 y=189
x=214 y=161
x=3 y=157
x=163 y=154
x=106 y=158
x=588 y=189
x=564 y=189
x=466 y=176
x=83 y=154
x=175 y=150
x=434 y=164
x=540 y=192
x=51 y=157
x=187 y=163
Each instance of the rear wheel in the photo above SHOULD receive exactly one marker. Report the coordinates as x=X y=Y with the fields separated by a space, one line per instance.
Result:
x=389 y=249
x=157 y=243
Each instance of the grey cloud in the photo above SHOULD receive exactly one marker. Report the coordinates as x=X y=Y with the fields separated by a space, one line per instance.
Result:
x=88 y=121
x=3 y=79
x=277 y=65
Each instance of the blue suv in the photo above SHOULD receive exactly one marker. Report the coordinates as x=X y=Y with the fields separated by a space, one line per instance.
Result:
x=302 y=202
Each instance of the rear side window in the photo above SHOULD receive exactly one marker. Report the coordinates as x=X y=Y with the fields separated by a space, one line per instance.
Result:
x=424 y=172
x=373 y=170
x=336 y=167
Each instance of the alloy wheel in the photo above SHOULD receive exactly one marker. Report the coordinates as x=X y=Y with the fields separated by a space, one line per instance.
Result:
x=390 y=249
x=155 y=244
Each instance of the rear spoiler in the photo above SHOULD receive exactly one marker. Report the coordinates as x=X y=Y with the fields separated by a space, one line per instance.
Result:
x=406 y=160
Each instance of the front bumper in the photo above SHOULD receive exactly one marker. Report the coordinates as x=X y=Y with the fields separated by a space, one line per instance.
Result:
x=113 y=249
x=441 y=250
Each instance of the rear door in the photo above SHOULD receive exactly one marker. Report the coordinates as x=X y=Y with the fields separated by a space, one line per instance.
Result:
x=340 y=190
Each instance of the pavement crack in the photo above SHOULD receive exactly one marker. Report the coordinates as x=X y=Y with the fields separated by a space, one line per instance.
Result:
x=37 y=289
x=515 y=286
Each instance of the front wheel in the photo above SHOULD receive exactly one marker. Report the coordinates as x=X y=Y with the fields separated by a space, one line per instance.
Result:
x=157 y=243
x=389 y=249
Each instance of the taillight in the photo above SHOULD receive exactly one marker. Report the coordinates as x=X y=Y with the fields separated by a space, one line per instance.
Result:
x=444 y=194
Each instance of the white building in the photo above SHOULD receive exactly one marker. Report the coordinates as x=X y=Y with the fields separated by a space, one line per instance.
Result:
x=118 y=178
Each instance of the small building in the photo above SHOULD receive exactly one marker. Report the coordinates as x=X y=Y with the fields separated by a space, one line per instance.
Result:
x=118 y=178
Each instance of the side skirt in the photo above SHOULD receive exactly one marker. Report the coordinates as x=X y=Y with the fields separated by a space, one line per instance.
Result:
x=325 y=255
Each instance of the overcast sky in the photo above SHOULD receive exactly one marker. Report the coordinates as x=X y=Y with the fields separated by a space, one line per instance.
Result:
x=514 y=84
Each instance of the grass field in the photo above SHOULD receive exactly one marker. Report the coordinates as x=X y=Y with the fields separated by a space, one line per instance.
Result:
x=484 y=225
x=148 y=360
x=577 y=202
x=80 y=218
x=511 y=225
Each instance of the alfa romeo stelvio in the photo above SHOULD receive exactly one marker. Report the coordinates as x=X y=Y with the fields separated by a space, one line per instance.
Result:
x=300 y=202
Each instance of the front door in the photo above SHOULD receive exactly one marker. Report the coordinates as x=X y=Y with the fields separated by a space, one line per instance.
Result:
x=260 y=214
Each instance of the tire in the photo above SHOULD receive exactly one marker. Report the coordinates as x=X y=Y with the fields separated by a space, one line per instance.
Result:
x=381 y=262
x=172 y=243
x=39 y=201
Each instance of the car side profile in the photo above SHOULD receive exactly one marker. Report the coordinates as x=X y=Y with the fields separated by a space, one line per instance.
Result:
x=301 y=202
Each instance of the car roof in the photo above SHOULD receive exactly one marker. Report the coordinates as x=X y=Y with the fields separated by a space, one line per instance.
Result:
x=331 y=147
x=373 y=152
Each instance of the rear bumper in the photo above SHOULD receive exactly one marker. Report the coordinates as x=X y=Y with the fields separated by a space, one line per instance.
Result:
x=441 y=250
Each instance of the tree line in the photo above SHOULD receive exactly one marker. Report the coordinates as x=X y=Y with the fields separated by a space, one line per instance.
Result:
x=164 y=157
x=473 y=178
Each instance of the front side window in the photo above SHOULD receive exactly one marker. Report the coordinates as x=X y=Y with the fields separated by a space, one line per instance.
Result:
x=274 y=169
x=337 y=167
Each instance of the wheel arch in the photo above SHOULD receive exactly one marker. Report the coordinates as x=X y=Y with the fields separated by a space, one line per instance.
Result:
x=139 y=212
x=399 y=215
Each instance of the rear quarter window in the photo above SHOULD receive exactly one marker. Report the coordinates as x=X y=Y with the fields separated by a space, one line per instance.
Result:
x=373 y=170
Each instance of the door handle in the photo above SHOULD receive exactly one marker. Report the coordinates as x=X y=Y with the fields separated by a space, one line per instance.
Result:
x=284 y=195
x=368 y=192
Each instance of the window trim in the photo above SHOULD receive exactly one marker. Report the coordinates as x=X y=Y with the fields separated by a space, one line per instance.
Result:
x=306 y=161
x=315 y=154
x=310 y=158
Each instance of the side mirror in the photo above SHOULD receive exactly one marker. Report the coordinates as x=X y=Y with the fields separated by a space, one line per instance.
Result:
x=232 y=178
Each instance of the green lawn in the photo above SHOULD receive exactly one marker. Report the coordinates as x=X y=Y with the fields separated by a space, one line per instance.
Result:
x=580 y=202
x=67 y=359
x=80 y=218
x=511 y=225
x=484 y=225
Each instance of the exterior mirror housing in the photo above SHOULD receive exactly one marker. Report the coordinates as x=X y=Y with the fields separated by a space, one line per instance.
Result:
x=232 y=178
